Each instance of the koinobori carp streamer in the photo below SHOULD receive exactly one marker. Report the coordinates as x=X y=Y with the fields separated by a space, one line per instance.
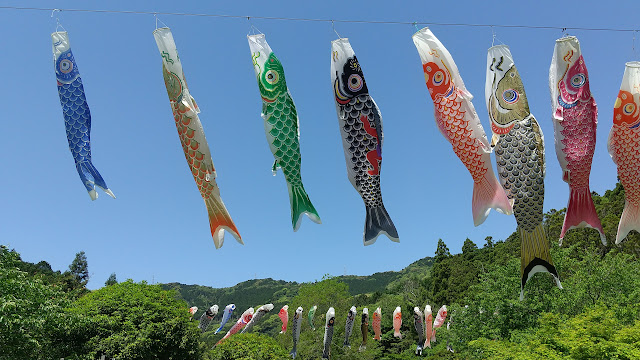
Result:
x=282 y=126
x=194 y=143
x=519 y=149
x=575 y=119
x=623 y=145
x=458 y=121
x=77 y=117
x=360 y=125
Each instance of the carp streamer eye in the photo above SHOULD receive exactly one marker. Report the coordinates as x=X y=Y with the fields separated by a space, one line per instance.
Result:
x=66 y=66
x=629 y=109
x=510 y=96
x=355 y=83
x=438 y=78
x=578 y=80
x=272 y=77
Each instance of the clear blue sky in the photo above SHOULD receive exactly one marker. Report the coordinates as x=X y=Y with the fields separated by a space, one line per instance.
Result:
x=157 y=228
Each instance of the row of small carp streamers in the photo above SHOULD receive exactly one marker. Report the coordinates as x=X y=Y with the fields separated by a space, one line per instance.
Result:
x=517 y=141
x=424 y=323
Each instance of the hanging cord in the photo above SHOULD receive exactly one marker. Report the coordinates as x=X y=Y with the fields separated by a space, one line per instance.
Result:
x=155 y=15
x=334 y=29
x=58 y=25
x=253 y=30
x=493 y=36
x=415 y=25
x=381 y=22
x=634 y=54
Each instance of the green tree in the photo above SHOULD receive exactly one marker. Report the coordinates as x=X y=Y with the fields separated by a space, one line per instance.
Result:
x=80 y=268
x=595 y=334
x=33 y=323
x=488 y=242
x=111 y=280
x=442 y=251
x=469 y=247
x=138 y=321
x=249 y=346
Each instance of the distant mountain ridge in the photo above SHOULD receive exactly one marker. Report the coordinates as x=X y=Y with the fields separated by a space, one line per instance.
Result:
x=252 y=293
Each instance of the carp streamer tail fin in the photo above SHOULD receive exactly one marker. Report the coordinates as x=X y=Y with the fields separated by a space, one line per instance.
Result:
x=535 y=256
x=378 y=222
x=220 y=220
x=301 y=204
x=581 y=213
x=488 y=194
x=90 y=177
x=630 y=220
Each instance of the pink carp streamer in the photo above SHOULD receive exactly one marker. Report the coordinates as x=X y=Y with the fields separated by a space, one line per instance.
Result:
x=575 y=119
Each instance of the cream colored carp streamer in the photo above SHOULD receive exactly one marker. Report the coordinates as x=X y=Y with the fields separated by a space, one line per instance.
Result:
x=194 y=143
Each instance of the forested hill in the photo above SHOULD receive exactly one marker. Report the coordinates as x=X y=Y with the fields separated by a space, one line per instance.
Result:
x=252 y=293
x=46 y=314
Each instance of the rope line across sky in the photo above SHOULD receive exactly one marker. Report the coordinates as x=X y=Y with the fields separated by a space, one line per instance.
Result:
x=381 y=22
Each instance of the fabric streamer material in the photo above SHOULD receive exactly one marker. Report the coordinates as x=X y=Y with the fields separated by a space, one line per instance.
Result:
x=245 y=318
x=519 y=149
x=458 y=122
x=428 y=321
x=257 y=315
x=376 y=324
x=226 y=315
x=348 y=327
x=360 y=124
x=575 y=119
x=312 y=313
x=397 y=322
x=623 y=145
x=77 y=117
x=282 y=126
x=206 y=318
x=439 y=320
x=284 y=317
x=194 y=143
x=295 y=331
x=418 y=323
x=364 y=328
x=328 y=333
